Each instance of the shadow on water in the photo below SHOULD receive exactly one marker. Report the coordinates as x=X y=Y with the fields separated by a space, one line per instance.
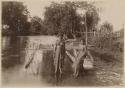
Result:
x=47 y=73
x=13 y=51
x=47 y=70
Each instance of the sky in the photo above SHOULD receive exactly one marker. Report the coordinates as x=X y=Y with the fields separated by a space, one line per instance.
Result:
x=111 y=10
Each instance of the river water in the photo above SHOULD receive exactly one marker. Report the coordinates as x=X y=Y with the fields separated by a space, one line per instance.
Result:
x=17 y=51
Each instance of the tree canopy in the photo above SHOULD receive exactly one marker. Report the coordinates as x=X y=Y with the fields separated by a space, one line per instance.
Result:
x=37 y=26
x=92 y=16
x=106 y=27
x=58 y=18
x=63 y=17
x=14 y=14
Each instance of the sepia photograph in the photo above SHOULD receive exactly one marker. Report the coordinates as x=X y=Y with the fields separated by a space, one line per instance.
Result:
x=62 y=43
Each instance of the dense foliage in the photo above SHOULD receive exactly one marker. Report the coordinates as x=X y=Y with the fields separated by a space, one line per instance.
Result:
x=14 y=14
x=63 y=18
x=37 y=26
x=105 y=37
x=58 y=18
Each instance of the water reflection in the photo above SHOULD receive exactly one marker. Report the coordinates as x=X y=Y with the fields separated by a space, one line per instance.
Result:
x=13 y=51
x=17 y=52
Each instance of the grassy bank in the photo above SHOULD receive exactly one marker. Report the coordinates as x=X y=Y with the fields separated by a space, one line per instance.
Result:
x=107 y=54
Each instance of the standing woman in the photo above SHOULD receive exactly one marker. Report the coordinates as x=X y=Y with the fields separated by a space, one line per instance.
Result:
x=59 y=56
x=63 y=50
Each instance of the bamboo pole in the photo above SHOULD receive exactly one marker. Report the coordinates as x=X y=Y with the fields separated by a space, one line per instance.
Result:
x=86 y=32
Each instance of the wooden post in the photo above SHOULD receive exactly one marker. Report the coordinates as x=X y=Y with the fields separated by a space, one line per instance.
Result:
x=86 y=32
